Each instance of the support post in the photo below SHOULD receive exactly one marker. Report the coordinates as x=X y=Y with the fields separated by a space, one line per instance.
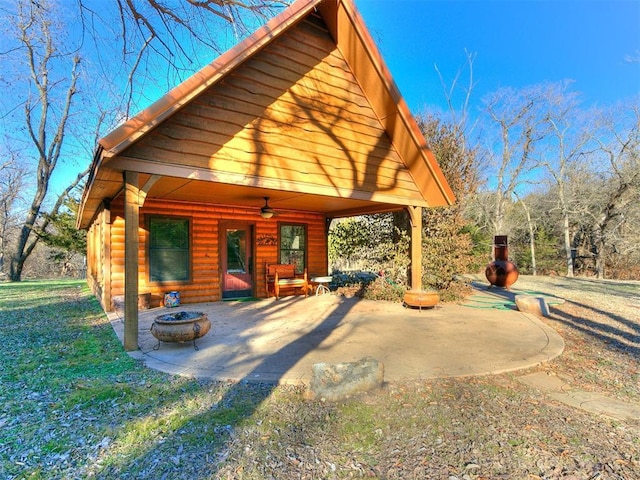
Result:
x=415 y=218
x=131 y=245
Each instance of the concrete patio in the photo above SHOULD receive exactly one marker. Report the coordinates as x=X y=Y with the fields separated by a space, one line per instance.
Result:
x=279 y=341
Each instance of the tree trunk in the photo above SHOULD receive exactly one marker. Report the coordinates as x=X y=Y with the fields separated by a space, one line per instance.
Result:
x=598 y=249
x=532 y=244
x=532 y=238
x=567 y=244
x=22 y=249
x=17 y=262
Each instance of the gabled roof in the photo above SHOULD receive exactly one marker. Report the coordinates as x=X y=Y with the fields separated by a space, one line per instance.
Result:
x=361 y=56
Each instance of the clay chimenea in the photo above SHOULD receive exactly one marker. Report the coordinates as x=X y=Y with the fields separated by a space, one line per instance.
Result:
x=501 y=272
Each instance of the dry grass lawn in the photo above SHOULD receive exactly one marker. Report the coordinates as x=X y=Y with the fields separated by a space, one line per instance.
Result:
x=74 y=405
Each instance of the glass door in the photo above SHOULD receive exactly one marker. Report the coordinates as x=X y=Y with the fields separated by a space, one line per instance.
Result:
x=237 y=261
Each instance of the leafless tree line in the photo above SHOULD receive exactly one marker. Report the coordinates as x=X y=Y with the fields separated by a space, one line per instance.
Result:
x=565 y=171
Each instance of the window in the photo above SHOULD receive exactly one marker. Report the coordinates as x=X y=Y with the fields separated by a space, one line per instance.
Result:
x=236 y=251
x=293 y=246
x=169 y=249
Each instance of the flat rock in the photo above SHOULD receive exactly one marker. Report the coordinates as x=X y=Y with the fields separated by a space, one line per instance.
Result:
x=545 y=382
x=530 y=304
x=340 y=380
x=558 y=389
x=599 y=404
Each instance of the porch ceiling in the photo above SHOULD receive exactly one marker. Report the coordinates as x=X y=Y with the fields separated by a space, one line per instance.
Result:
x=208 y=192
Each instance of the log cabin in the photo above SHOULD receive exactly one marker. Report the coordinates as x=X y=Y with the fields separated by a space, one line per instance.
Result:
x=246 y=162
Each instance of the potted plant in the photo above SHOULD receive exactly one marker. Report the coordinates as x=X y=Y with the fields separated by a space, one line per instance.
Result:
x=425 y=298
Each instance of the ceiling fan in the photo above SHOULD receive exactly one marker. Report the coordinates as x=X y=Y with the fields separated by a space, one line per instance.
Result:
x=266 y=211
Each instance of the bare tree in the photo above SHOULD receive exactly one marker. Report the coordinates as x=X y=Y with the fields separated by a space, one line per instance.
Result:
x=460 y=121
x=619 y=143
x=48 y=99
x=518 y=117
x=566 y=146
x=159 y=44
x=12 y=175
x=532 y=234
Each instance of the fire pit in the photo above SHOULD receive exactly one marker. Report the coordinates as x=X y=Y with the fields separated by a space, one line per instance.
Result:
x=180 y=327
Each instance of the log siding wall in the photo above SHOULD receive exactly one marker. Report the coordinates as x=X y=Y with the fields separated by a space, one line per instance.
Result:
x=106 y=273
x=98 y=253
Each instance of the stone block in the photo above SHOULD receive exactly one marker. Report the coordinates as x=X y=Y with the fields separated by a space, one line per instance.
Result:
x=338 y=381
x=531 y=304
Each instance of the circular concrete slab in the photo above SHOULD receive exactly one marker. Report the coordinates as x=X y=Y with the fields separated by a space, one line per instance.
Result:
x=279 y=341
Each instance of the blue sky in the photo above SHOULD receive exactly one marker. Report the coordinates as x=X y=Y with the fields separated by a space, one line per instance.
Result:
x=516 y=43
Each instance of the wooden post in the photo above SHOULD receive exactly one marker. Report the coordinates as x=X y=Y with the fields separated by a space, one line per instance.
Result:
x=415 y=217
x=131 y=244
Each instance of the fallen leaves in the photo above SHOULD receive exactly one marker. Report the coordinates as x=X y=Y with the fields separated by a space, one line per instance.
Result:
x=109 y=417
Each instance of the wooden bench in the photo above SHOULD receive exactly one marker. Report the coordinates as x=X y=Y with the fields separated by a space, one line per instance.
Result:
x=282 y=276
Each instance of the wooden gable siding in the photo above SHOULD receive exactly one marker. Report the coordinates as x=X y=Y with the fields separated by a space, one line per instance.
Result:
x=294 y=113
x=205 y=285
x=360 y=52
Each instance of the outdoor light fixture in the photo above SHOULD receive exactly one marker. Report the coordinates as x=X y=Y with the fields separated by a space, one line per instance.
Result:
x=267 y=211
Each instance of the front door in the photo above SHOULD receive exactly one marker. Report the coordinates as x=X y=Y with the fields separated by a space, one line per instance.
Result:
x=237 y=261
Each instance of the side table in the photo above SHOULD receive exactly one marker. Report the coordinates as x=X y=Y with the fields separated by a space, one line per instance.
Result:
x=321 y=284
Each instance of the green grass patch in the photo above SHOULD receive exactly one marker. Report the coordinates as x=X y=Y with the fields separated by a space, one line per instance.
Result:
x=360 y=425
x=73 y=404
